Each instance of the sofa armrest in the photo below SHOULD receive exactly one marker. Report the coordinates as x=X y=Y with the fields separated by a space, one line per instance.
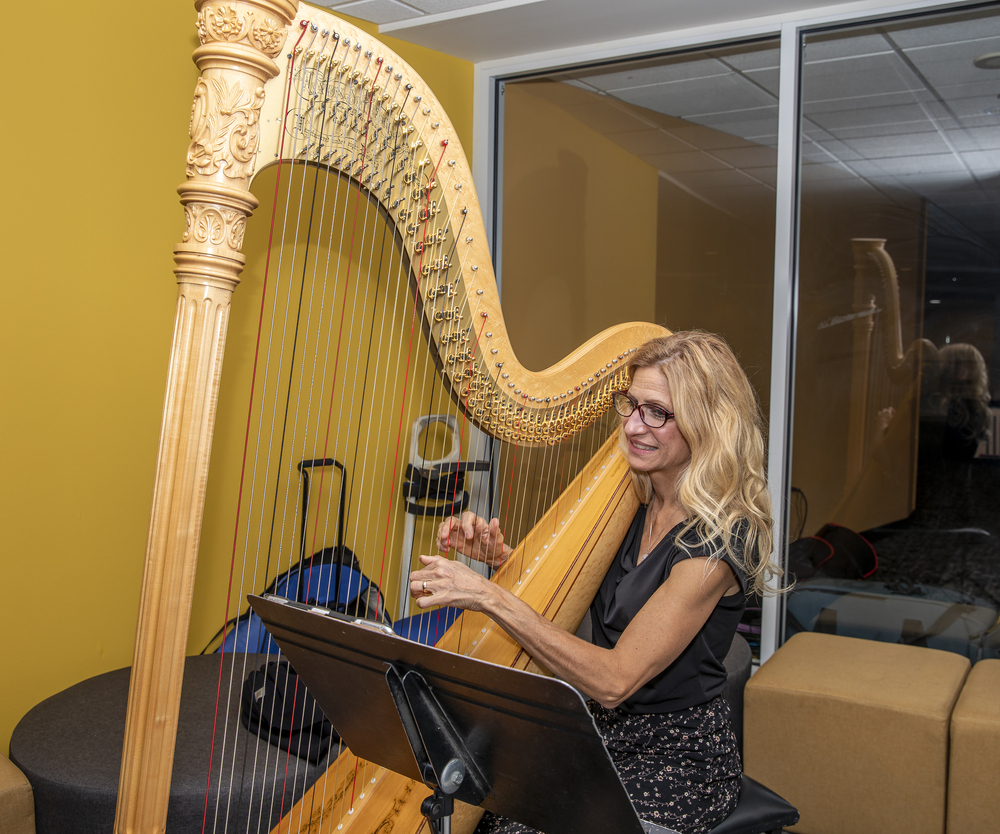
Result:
x=17 y=802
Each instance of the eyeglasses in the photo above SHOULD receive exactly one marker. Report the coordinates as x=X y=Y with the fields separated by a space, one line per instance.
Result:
x=652 y=415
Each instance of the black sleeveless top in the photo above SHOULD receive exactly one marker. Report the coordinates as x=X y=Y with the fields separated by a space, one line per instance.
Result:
x=699 y=674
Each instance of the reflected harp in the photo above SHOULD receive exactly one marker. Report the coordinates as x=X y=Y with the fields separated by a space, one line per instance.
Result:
x=379 y=309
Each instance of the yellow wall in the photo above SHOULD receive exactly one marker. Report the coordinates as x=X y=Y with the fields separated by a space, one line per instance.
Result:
x=97 y=102
x=594 y=236
x=577 y=233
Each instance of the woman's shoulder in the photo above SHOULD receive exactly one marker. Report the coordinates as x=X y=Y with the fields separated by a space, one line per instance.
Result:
x=698 y=537
x=694 y=543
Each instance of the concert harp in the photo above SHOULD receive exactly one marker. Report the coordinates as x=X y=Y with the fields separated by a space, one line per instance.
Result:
x=298 y=93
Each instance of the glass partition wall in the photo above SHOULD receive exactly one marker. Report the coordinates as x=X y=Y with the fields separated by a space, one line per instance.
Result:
x=643 y=191
x=647 y=189
x=897 y=340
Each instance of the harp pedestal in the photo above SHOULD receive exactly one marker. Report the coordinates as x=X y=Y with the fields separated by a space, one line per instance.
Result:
x=69 y=747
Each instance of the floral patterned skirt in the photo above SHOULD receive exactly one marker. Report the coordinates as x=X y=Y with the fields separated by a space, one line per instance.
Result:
x=681 y=769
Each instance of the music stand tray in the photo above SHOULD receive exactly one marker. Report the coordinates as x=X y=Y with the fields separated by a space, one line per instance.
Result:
x=534 y=751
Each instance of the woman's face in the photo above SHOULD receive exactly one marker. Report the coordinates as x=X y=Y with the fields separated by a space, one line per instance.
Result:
x=663 y=452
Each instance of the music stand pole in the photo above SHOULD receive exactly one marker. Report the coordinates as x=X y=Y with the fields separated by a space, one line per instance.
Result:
x=446 y=764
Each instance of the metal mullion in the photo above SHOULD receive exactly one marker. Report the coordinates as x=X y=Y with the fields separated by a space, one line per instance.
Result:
x=784 y=315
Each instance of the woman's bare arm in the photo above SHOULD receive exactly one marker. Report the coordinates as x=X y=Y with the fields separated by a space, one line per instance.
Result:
x=657 y=635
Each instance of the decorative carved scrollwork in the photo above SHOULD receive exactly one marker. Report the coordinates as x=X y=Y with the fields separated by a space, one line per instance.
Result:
x=225 y=124
x=214 y=226
x=230 y=24
x=268 y=36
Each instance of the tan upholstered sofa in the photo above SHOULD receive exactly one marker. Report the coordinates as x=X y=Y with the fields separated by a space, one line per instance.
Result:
x=17 y=804
x=864 y=737
x=974 y=762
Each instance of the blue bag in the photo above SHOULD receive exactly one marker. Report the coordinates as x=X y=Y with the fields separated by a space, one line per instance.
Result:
x=333 y=583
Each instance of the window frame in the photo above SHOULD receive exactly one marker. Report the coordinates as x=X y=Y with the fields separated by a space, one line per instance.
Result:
x=488 y=85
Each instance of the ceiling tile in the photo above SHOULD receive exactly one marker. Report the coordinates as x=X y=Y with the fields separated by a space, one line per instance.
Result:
x=766 y=176
x=705 y=138
x=750 y=57
x=769 y=79
x=693 y=98
x=869 y=102
x=975 y=139
x=820 y=172
x=730 y=178
x=952 y=67
x=831 y=150
x=909 y=166
x=375 y=11
x=906 y=145
x=837 y=46
x=663 y=72
x=969 y=27
x=911 y=114
x=864 y=76
x=983 y=162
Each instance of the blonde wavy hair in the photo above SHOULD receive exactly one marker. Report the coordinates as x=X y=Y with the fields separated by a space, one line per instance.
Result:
x=724 y=488
x=965 y=385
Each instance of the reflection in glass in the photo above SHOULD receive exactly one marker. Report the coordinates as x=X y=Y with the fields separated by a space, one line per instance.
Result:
x=643 y=191
x=898 y=340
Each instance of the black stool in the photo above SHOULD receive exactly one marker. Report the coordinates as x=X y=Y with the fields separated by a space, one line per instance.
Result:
x=759 y=811
x=70 y=746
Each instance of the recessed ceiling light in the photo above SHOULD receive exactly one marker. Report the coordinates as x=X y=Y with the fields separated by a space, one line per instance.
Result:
x=991 y=60
x=935 y=301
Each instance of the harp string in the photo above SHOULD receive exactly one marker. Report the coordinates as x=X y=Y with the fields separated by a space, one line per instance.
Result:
x=269 y=250
x=338 y=354
x=301 y=97
x=308 y=408
x=406 y=377
x=515 y=468
x=246 y=446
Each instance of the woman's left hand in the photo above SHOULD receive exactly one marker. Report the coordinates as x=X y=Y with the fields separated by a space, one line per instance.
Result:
x=445 y=582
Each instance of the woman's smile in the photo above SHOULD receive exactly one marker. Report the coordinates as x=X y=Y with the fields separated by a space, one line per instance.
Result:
x=661 y=452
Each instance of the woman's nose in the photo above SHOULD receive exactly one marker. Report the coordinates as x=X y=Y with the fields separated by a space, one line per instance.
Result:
x=633 y=423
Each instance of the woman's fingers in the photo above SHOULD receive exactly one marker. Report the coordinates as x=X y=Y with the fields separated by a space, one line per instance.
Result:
x=444 y=582
x=466 y=533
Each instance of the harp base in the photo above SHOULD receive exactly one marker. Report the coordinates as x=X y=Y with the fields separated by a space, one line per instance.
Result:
x=70 y=746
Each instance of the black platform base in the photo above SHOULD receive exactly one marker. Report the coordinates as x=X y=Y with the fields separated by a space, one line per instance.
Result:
x=70 y=747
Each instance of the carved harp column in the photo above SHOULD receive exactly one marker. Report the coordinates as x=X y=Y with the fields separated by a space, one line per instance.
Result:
x=238 y=43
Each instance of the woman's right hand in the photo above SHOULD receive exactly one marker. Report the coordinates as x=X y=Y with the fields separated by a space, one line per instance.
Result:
x=473 y=537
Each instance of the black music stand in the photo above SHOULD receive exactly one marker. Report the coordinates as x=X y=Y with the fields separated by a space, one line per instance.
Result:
x=521 y=745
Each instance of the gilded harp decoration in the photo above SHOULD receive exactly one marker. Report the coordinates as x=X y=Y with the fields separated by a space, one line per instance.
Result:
x=295 y=90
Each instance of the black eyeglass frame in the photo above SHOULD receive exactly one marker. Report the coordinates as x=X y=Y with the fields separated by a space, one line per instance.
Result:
x=617 y=400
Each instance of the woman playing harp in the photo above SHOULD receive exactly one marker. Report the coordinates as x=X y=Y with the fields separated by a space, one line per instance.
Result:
x=666 y=613
x=344 y=121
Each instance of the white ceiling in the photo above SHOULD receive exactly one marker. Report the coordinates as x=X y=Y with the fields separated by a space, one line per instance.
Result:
x=479 y=30
x=892 y=107
x=898 y=108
